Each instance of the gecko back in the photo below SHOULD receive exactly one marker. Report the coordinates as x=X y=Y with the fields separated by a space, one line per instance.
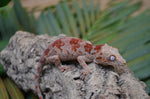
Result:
x=68 y=48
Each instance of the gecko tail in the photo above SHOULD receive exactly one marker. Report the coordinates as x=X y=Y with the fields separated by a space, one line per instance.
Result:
x=36 y=81
x=38 y=73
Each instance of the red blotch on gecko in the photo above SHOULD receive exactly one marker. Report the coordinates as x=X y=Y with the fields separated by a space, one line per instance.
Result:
x=88 y=47
x=58 y=44
x=46 y=51
x=35 y=77
x=75 y=43
x=98 y=48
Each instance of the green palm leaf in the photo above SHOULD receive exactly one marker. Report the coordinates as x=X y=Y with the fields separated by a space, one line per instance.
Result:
x=64 y=20
x=12 y=89
x=8 y=23
x=3 y=91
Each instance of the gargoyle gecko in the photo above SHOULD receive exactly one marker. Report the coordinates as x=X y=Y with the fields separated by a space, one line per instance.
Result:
x=71 y=48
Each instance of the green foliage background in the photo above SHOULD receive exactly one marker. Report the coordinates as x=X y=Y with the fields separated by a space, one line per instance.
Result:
x=114 y=25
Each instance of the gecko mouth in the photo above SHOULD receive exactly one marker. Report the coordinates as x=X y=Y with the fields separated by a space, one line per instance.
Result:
x=122 y=64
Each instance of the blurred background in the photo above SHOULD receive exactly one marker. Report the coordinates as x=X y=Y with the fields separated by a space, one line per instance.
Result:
x=124 y=24
x=29 y=5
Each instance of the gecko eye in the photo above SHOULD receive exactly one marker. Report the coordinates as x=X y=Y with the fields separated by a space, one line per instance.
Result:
x=112 y=57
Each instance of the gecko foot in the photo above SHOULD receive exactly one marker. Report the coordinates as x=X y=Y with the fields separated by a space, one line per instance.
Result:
x=64 y=68
x=85 y=72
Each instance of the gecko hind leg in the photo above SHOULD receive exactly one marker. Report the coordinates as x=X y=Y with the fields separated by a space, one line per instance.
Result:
x=56 y=61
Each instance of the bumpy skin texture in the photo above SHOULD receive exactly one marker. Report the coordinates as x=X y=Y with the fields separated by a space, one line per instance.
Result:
x=71 y=48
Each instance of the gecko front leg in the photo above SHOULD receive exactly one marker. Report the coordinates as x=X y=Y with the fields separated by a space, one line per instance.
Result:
x=86 y=70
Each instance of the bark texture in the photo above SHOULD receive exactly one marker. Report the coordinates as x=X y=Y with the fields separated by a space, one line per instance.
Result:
x=20 y=59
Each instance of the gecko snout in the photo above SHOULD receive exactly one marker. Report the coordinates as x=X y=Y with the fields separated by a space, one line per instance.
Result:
x=122 y=64
x=121 y=61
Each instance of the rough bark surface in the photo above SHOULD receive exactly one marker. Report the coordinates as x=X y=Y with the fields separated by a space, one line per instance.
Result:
x=20 y=59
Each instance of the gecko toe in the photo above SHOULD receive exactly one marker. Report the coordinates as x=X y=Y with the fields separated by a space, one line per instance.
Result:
x=85 y=73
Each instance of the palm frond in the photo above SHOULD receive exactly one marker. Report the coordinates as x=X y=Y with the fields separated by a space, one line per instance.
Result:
x=3 y=91
x=8 y=23
x=22 y=16
x=68 y=18
x=12 y=89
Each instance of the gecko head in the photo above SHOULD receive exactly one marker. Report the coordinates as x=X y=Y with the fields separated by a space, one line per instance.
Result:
x=110 y=56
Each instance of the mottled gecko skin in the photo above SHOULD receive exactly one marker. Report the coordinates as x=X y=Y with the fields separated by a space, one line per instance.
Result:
x=71 y=48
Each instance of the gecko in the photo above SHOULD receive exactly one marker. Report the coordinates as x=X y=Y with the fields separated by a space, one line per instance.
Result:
x=72 y=48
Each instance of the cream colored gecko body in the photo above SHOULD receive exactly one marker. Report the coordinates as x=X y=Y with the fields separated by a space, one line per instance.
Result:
x=71 y=48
